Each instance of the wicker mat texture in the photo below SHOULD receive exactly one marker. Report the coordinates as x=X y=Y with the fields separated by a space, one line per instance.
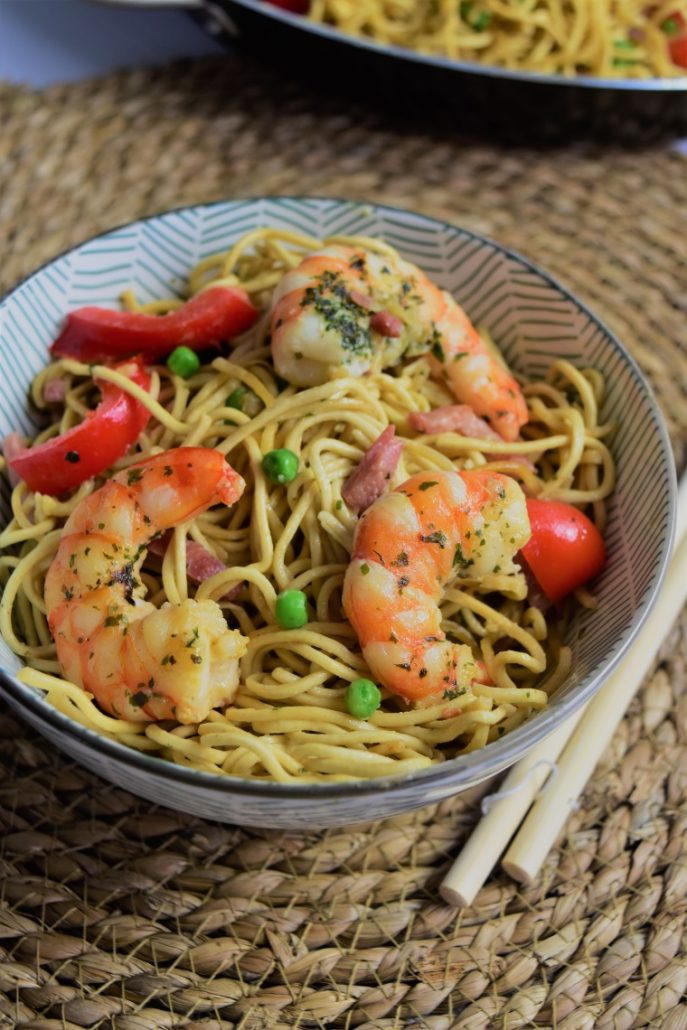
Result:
x=117 y=914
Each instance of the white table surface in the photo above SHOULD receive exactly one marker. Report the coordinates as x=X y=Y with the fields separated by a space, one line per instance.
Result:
x=47 y=41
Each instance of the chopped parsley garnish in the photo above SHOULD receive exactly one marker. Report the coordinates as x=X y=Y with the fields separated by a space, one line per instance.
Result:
x=193 y=639
x=437 y=537
x=459 y=559
x=340 y=312
x=115 y=620
x=364 y=568
x=125 y=576
x=401 y=559
x=451 y=695
x=435 y=345
x=438 y=351
x=428 y=483
x=134 y=476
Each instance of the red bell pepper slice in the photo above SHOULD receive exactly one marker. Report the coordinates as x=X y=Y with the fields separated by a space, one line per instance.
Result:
x=678 y=51
x=565 y=549
x=295 y=6
x=95 y=334
x=675 y=27
x=66 y=461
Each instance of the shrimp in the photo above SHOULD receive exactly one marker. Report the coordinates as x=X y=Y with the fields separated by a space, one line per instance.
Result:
x=408 y=545
x=140 y=662
x=347 y=309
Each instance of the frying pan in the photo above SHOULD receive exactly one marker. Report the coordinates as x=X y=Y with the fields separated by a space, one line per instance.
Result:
x=523 y=107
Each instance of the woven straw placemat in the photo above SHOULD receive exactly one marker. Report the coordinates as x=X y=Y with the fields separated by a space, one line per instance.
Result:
x=117 y=914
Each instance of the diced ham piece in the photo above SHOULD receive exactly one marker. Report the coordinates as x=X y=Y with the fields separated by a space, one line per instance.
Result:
x=55 y=390
x=371 y=478
x=460 y=418
x=200 y=564
x=159 y=545
x=12 y=446
x=361 y=299
x=453 y=418
x=386 y=324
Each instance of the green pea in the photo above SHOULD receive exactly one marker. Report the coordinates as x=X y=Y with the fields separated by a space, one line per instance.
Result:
x=363 y=698
x=280 y=466
x=482 y=21
x=183 y=362
x=235 y=398
x=292 y=609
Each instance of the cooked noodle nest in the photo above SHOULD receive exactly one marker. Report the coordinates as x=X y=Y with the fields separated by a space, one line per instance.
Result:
x=288 y=721
x=604 y=38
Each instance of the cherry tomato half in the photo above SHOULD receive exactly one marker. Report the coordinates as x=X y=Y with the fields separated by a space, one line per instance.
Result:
x=565 y=549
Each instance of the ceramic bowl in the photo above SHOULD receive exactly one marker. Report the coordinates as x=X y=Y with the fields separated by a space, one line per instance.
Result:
x=535 y=320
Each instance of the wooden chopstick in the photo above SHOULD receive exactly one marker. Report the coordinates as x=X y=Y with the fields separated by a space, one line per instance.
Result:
x=584 y=737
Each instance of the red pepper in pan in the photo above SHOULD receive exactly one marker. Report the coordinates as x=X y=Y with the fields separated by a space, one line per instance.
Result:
x=675 y=27
x=295 y=6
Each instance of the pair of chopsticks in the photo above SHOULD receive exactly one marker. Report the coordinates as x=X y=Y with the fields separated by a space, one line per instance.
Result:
x=570 y=753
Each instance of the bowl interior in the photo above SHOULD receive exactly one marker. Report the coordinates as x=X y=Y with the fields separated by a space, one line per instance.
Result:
x=533 y=319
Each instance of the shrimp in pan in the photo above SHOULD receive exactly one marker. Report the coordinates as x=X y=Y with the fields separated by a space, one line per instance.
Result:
x=408 y=545
x=140 y=662
x=353 y=310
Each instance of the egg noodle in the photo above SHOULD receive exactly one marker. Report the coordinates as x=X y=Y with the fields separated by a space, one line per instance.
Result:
x=288 y=721
x=605 y=38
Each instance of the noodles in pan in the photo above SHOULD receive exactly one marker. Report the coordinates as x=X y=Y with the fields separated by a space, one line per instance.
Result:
x=605 y=38
x=288 y=721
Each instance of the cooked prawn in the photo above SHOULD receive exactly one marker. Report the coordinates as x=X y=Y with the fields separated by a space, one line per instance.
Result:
x=408 y=545
x=348 y=308
x=138 y=661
